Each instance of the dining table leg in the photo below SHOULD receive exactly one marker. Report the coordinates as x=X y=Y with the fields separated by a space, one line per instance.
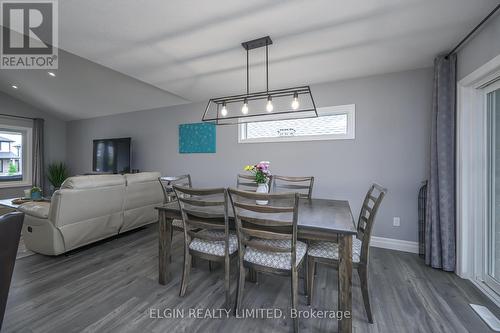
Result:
x=164 y=247
x=345 y=283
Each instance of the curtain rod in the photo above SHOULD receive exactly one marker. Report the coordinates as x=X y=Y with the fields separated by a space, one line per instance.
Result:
x=10 y=115
x=473 y=31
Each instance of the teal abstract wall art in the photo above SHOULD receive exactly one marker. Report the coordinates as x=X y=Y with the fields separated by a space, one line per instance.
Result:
x=197 y=138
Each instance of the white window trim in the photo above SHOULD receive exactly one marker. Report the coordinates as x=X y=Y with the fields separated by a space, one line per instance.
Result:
x=349 y=109
x=471 y=175
x=27 y=158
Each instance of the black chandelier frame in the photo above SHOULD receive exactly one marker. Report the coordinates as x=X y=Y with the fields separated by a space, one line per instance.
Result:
x=261 y=95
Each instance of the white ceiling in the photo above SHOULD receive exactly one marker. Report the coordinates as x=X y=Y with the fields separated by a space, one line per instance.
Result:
x=192 y=49
x=84 y=89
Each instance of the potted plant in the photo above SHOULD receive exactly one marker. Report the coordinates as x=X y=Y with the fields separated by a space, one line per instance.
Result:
x=262 y=173
x=36 y=193
x=57 y=174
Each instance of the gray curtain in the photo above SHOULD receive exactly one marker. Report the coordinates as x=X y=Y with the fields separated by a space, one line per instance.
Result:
x=38 y=155
x=440 y=234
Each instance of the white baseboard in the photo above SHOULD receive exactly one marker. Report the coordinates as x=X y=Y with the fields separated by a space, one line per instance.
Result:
x=394 y=244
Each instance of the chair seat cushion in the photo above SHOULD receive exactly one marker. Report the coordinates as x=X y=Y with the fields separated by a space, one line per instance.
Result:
x=178 y=223
x=279 y=260
x=330 y=250
x=214 y=247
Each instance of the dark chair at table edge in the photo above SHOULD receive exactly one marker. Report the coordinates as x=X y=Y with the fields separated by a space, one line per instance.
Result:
x=10 y=233
x=363 y=230
x=204 y=221
x=266 y=234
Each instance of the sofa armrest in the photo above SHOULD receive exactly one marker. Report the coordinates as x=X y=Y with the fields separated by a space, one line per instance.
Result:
x=37 y=209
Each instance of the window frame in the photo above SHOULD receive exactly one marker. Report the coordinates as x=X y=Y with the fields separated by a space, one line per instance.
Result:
x=26 y=155
x=348 y=109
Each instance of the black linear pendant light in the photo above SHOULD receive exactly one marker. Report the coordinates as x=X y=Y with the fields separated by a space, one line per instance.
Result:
x=279 y=104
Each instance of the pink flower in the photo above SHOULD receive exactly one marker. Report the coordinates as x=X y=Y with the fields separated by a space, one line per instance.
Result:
x=264 y=165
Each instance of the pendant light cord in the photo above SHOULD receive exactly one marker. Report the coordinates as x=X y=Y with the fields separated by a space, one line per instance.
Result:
x=267 y=67
x=247 y=74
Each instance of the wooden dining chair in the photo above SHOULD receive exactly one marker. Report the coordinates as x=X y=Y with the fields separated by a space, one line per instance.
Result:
x=167 y=184
x=206 y=230
x=247 y=183
x=301 y=185
x=267 y=238
x=328 y=252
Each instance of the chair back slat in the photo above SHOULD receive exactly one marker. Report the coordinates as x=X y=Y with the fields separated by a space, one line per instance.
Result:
x=294 y=187
x=264 y=247
x=275 y=221
x=247 y=183
x=302 y=185
x=201 y=203
x=203 y=210
x=168 y=182
x=203 y=213
x=204 y=224
x=263 y=221
x=369 y=210
x=263 y=209
x=264 y=234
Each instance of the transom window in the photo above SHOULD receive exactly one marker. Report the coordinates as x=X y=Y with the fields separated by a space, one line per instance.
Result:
x=332 y=123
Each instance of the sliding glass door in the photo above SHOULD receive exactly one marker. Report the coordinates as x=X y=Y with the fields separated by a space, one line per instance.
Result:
x=492 y=273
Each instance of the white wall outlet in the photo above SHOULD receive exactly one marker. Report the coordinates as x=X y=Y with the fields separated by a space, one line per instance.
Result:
x=396 y=221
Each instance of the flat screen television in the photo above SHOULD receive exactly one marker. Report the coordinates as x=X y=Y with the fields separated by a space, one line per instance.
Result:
x=111 y=156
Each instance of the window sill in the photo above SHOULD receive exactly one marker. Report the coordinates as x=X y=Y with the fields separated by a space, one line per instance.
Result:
x=15 y=184
x=297 y=139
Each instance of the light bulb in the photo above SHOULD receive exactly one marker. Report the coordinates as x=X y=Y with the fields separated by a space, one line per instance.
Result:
x=295 y=103
x=244 y=108
x=269 y=105
x=223 y=111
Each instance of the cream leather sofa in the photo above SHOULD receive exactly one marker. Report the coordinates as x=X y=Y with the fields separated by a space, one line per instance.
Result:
x=90 y=208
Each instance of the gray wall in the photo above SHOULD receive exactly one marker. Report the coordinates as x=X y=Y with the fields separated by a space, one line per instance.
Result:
x=484 y=46
x=391 y=146
x=54 y=135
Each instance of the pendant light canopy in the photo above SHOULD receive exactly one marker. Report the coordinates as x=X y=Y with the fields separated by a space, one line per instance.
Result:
x=279 y=104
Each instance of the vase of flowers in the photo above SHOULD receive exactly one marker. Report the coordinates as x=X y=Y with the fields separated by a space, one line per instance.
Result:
x=261 y=173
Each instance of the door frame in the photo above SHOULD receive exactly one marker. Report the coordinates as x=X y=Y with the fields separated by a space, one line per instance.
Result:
x=490 y=281
x=471 y=174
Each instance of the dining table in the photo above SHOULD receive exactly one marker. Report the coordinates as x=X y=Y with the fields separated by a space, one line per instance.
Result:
x=318 y=219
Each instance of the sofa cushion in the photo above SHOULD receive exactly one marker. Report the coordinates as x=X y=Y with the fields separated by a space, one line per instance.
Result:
x=93 y=181
x=142 y=177
x=38 y=209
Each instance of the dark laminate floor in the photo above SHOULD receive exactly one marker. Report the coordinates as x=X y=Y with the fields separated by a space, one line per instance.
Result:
x=110 y=287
